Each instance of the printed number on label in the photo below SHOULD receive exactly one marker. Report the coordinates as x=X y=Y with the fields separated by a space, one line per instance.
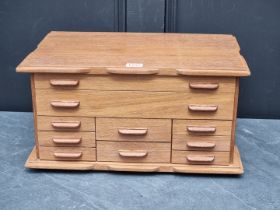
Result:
x=134 y=65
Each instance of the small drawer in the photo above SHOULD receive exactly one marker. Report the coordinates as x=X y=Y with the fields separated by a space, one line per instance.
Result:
x=66 y=139
x=134 y=152
x=203 y=143
x=120 y=129
x=135 y=82
x=45 y=123
x=184 y=128
x=200 y=157
x=67 y=153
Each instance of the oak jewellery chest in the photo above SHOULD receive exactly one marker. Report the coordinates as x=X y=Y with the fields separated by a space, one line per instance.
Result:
x=145 y=102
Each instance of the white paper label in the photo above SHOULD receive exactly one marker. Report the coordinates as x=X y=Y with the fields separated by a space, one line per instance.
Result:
x=134 y=65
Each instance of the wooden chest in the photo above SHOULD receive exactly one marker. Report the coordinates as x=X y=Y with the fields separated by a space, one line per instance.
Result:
x=135 y=102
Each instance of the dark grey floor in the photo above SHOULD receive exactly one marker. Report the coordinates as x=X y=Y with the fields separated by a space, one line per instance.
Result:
x=258 y=188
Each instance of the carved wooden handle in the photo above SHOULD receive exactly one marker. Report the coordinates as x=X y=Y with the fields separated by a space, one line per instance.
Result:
x=200 y=158
x=133 y=153
x=202 y=145
x=201 y=129
x=133 y=131
x=72 y=155
x=204 y=86
x=66 y=124
x=65 y=104
x=203 y=108
x=64 y=83
x=132 y=71
x=67 y=140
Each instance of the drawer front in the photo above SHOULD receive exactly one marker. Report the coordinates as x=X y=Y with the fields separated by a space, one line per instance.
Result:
x=118 y=129
x=135 y=104
x=135 y=152
x=202 y=143
x=66 y=139
x=45 y=123
x=67 y=153
x=135 y=82
x=184 y=128
x=200 y=157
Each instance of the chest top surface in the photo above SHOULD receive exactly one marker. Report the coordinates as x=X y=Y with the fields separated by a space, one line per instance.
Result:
x=137 y=53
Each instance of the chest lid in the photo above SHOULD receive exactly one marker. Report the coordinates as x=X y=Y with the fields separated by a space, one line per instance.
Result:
x=136 y=53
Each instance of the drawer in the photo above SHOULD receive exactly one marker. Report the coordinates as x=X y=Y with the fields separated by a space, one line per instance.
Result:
x=184 y=128
x=203 y=143
x=135 y=82
x=66 y=139
x=67 y=153
x=45 y=123
x=200 y=157
x=118 y=129
x=135 y=104
x=135 y=152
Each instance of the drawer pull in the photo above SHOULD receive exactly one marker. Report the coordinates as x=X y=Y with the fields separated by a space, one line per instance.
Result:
x=71 y=155
x=66 y=124
x=134 y=131
x=201 y=129
x=204 y=86
x=203 y=108
x=202 y=145
x=65 y=104
x=132 y=71
x=133 y=153
x=67 y=141
x=66 y=83
x=200 y=158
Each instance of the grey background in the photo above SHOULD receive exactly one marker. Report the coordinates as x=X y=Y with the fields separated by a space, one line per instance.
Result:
x=257 y=189
x=256 y=24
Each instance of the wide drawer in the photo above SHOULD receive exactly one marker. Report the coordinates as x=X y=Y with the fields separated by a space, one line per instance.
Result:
x=133 y=152
x=137 y=104
x=54 y=138
x=67 y=153
x=46 y=123
x=133 y=129
x=135 y=82
x=200 y=157
x=202 y=143
x=184 y=128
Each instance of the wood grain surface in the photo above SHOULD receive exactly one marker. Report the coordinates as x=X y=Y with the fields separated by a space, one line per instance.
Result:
x=181 y=131
x=181 y=157
x=157 y=130
x=44 y=123
x=77 y=153
x=222 y=143
x=156 y=152
x=94 y=53
x=134 y=82
x=136 y=104
x=45 y=138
